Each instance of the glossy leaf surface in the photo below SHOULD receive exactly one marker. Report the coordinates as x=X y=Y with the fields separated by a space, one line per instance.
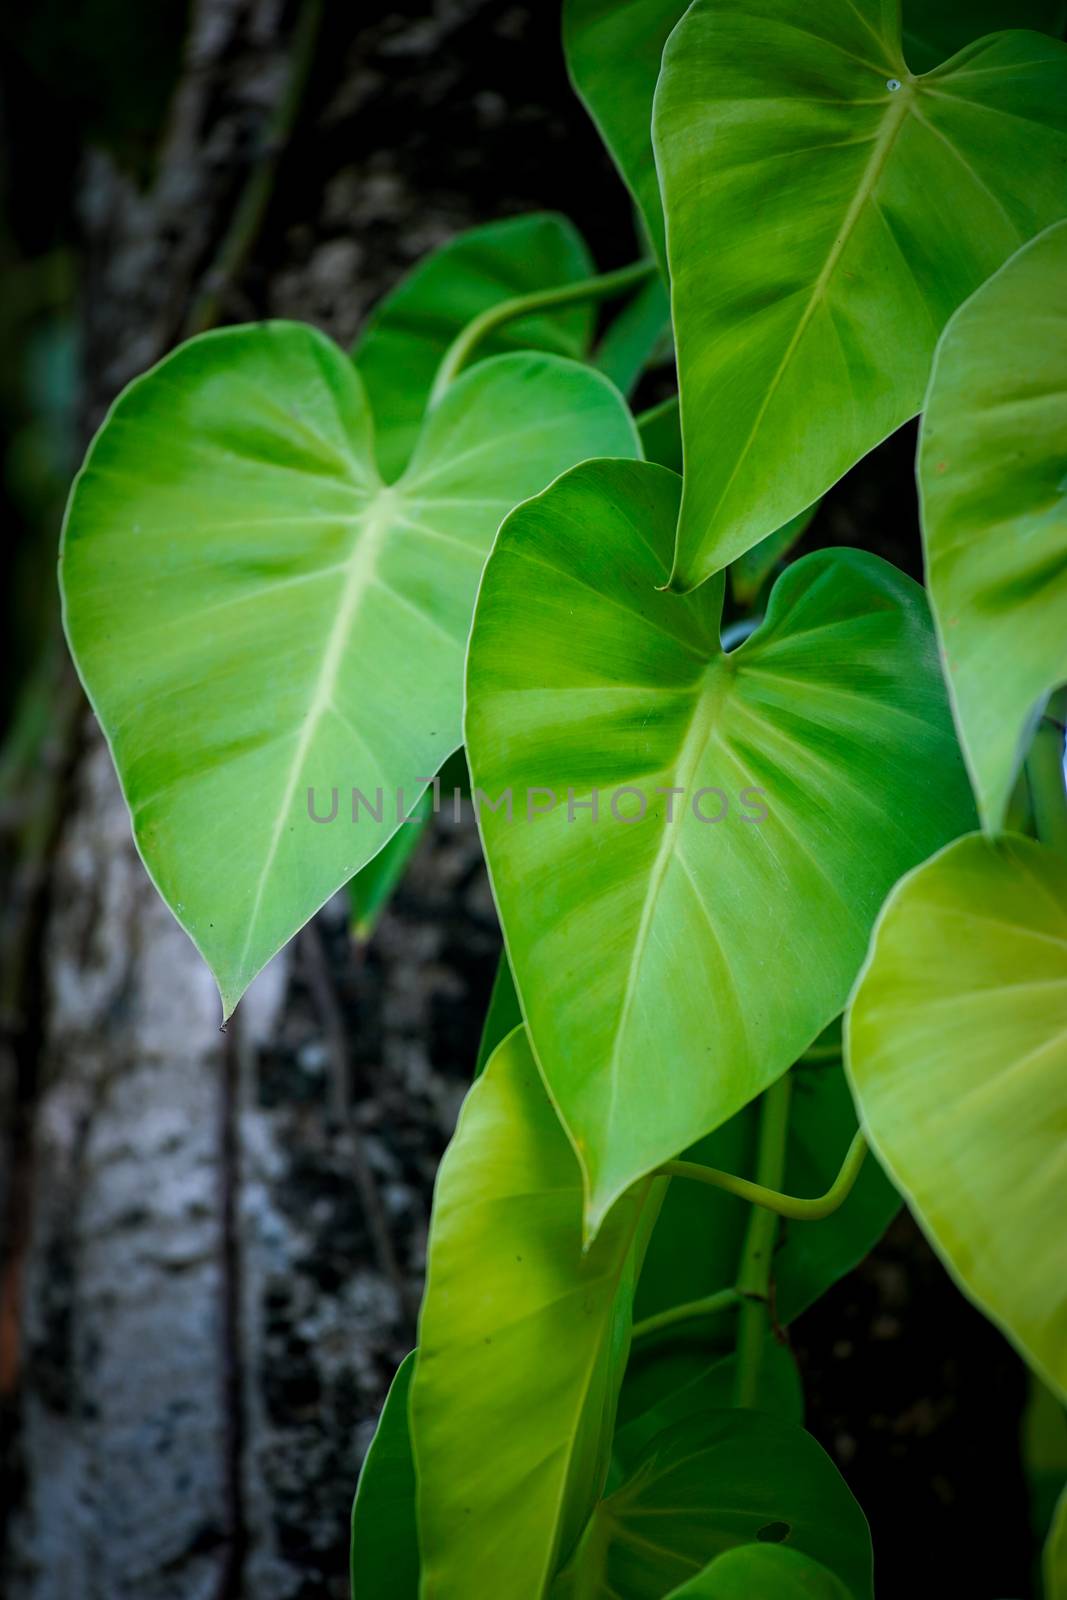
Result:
x=718 y=1480
x=614 y=49
x=522 y=1343
x=849 y=207
x=671 y=967
x=993 y=479
x=406 y=336
x=254 y=614
x=385 y=1549
x=957 y=1048
x=763 y=1572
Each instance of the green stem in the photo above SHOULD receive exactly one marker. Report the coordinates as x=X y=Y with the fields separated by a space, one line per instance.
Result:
x=754 y=1278
x=1044 y=772
x=709 y=1306
x=607 y=287
x=785 y=1205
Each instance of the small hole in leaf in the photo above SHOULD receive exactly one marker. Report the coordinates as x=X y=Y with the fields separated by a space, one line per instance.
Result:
x=773 y=1533
x=892 y=83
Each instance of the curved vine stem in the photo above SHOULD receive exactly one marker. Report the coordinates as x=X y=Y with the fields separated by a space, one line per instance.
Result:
x=709 y=1306
x=1044 y=773
x=606 y=287
x=785 y=1205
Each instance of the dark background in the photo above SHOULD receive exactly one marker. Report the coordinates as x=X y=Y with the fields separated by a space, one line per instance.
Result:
x=201 y=1305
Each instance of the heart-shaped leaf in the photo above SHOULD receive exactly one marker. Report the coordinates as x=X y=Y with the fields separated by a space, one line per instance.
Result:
x=763 y=1572
x=993 y=477
x=957 y=1049
x=717 y=1480
x=522 y=1343
x=407 y=334
x=674 y=964
x=255 y=616
x=614 y=49
x=848 y=207
x=385 y=1550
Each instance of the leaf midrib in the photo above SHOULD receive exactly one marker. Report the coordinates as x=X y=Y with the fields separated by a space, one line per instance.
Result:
x=369 y=531
x=701 y=730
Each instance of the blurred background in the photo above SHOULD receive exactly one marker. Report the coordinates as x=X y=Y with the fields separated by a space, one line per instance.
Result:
x=211 y=1244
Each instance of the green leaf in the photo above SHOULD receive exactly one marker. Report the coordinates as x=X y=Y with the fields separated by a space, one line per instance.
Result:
x=371 y=890
x=683 y=953
x=406 y=336
x=503 y=1014
x=957 y=1051
x=849 y=208
x=936 y=29
x=661 y=434
x=254 y=615
x=763 y=1572
x=613 y=50
x=696 y=1246
x=715 y=1481
x=634 y=336
x=385 y=1550
x=994 y=509
x=1054 y=1563
x=522 y=1343
x=753 y=567
x=672 y=1382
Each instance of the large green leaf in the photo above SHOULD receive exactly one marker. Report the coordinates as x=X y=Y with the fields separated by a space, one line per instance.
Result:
x=763 y=1572
x=254 y=615
x=522 y=1343
x=405 y=337
x=696 y=1246
x=993 y=478
x=848 y=208
x=957 y=1048
x=718 y=1480
x=385 y=1549
x=613 y=50
x=671 y=969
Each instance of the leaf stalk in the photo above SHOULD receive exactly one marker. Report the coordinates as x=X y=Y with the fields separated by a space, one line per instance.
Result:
x=606 y=287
